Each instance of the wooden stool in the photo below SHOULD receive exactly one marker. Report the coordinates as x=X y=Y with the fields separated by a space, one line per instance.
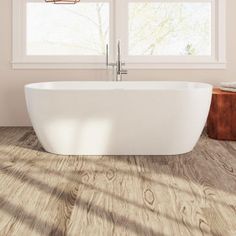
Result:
x=221 y=122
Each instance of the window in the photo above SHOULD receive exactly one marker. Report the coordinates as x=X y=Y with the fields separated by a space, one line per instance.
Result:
x=153 y=33
x=170 y=28
x=47 y=35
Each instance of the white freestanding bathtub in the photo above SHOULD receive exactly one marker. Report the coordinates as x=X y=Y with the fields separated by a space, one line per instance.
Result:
x=118 y=118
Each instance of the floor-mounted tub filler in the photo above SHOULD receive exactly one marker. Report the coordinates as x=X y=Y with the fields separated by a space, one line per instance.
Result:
x=118 y=118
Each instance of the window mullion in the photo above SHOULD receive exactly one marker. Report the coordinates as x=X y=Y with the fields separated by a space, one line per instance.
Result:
x=121 y=26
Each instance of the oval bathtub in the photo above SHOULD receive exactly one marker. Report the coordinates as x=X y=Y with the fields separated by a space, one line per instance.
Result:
x=118 y=118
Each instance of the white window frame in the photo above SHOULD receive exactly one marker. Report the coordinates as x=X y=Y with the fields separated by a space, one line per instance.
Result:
x=21 y=60
x=119 y=30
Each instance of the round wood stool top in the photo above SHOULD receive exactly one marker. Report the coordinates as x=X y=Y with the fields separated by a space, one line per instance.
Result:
x=218 y=91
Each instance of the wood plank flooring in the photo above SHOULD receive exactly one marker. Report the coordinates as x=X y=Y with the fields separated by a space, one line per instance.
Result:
x=45 y=194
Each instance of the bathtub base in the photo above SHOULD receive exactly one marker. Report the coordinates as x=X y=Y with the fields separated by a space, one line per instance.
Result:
x=120 y=153
x=118 y=136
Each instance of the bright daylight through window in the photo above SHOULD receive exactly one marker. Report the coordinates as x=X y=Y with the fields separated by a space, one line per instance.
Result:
x=170 y=28
x=80 y=29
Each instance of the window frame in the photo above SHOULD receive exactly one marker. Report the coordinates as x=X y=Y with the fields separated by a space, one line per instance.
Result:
x=119 y=30
x=21 y=59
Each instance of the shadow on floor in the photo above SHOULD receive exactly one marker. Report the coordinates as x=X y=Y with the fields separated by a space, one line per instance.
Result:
x=203 y=167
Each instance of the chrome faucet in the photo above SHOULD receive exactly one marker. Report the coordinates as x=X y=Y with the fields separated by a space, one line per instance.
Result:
x=119 y=64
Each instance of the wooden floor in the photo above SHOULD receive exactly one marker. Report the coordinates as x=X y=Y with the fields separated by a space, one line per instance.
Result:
x=45 y=194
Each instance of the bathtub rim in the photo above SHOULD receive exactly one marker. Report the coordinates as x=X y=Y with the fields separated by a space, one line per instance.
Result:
x=121 y=85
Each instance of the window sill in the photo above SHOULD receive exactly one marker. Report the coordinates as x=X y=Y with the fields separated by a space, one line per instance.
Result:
x=136 y=66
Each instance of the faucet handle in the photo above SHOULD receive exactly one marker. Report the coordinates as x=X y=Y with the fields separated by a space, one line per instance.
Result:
x=124 y=72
